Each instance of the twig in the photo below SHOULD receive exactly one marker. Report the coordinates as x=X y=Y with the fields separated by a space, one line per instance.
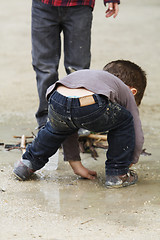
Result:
x=21 y=136
x=23 y=143
x=11 y=148
x=86 y=221
x=97 y=136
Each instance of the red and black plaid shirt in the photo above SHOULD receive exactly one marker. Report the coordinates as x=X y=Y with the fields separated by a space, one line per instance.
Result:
x=69 y=3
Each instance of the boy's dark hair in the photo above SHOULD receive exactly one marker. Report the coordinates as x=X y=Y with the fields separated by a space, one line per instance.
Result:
x=131 y=74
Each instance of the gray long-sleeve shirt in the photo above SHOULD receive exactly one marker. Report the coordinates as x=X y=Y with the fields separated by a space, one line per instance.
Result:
x=102 y=82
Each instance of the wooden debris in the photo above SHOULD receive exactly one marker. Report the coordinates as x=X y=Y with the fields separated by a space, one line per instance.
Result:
x=98 y=136
x=145 y=153
x=11 y=148
x=23 y=143
x=100 y=144
x=88 y=144
x=86 y=221
x=23 y=135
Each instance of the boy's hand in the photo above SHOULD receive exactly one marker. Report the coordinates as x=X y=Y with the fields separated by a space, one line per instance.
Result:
x=80 y=170
x=113 y=9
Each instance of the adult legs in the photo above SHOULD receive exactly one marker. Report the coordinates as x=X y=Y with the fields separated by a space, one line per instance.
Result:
x=77 y=24
x=47 y=23
x=46 y=49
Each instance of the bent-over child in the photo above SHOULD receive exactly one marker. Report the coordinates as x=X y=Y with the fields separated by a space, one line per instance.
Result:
x=99 y=101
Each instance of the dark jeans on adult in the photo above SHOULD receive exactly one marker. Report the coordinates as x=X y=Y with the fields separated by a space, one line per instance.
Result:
x=66 y=116
x=47 y=24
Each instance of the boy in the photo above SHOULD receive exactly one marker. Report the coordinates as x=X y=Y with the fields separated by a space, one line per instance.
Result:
x=98 y=101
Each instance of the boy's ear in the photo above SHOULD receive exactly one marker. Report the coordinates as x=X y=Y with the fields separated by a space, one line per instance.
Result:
x=134 y=91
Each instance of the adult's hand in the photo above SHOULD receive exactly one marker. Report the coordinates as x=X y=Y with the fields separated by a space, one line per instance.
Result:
x=112 y=10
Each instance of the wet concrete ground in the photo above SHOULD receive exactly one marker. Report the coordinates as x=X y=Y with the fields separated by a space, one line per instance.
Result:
x=58 y=205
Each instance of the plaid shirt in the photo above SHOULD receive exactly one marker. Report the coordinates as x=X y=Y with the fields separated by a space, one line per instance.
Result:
x=70 y=3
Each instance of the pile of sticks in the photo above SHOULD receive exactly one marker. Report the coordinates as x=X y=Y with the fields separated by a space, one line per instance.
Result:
x=91 y=142
x=20 y=145
x=87 y=144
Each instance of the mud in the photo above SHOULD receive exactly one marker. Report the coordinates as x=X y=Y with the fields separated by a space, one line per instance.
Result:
x=58 y=205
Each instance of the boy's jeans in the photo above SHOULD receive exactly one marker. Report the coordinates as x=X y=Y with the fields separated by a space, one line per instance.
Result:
x=66 y=116
x=47 y=24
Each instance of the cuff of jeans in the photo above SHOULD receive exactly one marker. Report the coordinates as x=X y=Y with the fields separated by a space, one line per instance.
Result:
x=116 y=172
x=111 y=1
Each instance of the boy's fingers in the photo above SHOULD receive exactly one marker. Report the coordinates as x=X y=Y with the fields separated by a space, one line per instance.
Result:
x=91 y=177
x=93 y=173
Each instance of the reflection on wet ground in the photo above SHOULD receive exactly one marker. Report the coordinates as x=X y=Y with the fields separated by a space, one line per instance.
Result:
x=61 y=194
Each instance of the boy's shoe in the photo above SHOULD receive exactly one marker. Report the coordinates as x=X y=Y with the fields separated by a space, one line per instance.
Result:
x=83 y=132
x=128 y=179
x=23 y=170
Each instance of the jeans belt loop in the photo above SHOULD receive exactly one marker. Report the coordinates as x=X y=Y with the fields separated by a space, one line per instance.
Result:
x=99 y=100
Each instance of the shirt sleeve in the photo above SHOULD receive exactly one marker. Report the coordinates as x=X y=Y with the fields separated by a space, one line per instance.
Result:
x=139 y=137
x=71 y=148
x=111 y=1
